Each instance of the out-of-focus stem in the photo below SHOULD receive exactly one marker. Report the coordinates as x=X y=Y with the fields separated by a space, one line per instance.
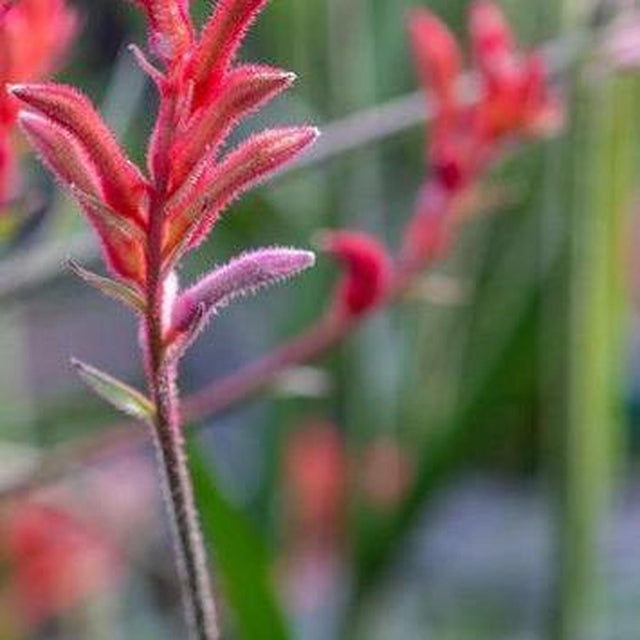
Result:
x=226 y=392
x=600 y=160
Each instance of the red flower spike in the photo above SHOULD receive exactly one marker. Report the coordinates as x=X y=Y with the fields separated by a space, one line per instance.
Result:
x=437 y=58
x=170 y=25
x=368 y=271
x=219 y=43
x=198 y=209
x=122 y=183
x=245 y=89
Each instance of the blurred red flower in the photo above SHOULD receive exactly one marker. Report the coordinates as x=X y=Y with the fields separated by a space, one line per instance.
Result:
x=513 y=100
x=54 y=561
x=34 y=35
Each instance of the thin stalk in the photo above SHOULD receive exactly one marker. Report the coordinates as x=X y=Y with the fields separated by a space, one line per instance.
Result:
x=190 y=552
x=598 y=187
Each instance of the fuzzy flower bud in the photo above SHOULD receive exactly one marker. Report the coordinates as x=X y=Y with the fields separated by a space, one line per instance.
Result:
x=242 y=276
x=367 y=267
x=122 y=182
x=221 y=38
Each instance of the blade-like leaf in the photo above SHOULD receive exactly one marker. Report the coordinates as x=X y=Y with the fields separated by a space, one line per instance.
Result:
x=117 y=393
x=112 y=288
x=241 y=559
x=107 y=215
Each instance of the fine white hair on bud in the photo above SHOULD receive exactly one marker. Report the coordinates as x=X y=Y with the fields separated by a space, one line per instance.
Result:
x=244 y=275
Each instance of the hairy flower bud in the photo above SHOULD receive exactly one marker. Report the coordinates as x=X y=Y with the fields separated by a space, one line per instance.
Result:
x=122 y=183
x=221 y=38
x=367 y=267
x=193 y=214
x=244 y=275
x=170 y=26
x=246 y=89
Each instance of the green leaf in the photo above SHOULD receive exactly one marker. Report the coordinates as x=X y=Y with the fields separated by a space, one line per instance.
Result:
x=116 y=290
x=108 y=216
x=241 y=558
x=117 y=393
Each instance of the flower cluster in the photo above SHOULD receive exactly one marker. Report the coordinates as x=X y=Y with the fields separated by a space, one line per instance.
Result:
x=513 y=100
x=147 y=221
x=34 y=36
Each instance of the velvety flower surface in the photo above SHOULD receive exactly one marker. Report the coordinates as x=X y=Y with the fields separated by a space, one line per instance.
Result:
x=191 y=177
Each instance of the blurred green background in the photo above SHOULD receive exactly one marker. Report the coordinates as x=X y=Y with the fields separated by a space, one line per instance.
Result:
x=462 y=467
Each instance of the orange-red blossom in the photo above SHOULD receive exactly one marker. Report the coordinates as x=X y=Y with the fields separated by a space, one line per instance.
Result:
x=34 y=36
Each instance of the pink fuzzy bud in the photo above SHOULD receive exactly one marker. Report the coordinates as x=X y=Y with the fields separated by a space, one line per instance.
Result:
x=368 y=270
x=244 y=275
x=196 y=211
x=122 y=183
x=245 y=89
x=221 y=38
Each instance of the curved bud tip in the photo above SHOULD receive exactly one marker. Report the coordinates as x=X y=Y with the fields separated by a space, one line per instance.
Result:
x=368 y=270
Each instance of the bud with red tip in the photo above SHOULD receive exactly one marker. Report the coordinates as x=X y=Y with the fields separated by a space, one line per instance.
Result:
x=367 y=271
x=171 y=31
x=219 y=43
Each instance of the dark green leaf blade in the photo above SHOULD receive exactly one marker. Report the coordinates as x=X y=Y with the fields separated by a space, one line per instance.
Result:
x=111 y=288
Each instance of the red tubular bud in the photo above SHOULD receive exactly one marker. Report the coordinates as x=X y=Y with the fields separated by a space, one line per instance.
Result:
x=368 y=270
x=436 y=55
x=122 y=183
x=61 y=153
x=221 y=38
x=68 y=161
x=245 y=89
x=196 y=211
x=170 y=26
